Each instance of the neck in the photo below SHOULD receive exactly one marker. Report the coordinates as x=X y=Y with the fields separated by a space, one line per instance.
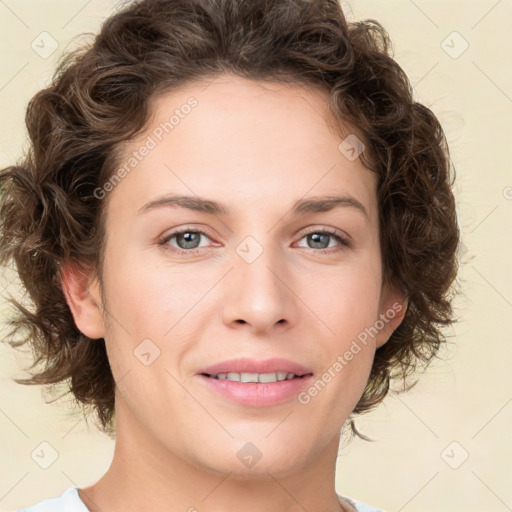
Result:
x=144 y=475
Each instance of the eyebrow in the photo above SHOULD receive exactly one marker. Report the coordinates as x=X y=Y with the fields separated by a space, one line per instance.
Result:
x=301 y=207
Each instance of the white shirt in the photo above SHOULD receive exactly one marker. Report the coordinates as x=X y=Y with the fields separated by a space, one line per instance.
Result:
x=70 y=501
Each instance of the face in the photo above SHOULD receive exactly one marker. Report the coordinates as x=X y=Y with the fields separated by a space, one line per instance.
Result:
x=257 y=272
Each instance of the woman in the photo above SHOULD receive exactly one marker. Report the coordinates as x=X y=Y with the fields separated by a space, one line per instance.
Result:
x=238 y=227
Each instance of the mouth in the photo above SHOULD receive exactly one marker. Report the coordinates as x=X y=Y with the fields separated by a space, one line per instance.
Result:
x=256 y=383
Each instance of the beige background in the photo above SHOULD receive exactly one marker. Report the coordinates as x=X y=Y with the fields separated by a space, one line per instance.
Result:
x=464 y=398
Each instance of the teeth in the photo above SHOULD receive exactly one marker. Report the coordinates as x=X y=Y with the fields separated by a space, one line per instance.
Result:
x=255 y=377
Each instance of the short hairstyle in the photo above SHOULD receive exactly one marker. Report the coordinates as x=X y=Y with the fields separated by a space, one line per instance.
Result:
x=101 y=96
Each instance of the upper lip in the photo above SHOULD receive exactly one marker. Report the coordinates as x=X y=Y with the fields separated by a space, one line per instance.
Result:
x=247 y=365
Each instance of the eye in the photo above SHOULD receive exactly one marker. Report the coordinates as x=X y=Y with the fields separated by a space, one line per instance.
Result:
x=319 y=239
x=186 y=240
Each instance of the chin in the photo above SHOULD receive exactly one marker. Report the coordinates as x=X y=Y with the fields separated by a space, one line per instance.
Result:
x=256 y=459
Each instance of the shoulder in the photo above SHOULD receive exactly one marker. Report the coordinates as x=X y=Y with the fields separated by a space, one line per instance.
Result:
x=360 y=506
x=68 y=501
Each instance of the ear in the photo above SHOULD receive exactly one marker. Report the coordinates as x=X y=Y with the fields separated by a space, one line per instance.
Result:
x=392 y=309
x=81 y=289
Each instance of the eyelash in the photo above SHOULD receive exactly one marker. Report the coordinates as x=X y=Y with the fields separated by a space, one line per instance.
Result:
x=344 y=243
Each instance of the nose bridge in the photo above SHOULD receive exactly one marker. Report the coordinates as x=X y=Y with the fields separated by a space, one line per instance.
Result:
x=256 y=293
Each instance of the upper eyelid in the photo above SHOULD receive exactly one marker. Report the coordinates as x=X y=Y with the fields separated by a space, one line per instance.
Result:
x=344 y=238
x=312 y=229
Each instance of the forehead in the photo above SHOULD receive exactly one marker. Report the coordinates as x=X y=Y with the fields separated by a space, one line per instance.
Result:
x=241 y=142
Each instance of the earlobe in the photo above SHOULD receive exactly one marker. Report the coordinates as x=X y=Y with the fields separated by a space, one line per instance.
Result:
x=392 y=311
x=81 y=289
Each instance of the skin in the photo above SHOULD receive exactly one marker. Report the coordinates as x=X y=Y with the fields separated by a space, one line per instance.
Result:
x=256 y=147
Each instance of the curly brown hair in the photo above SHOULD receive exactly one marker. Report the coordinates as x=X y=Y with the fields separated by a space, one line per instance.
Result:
x=100 y=96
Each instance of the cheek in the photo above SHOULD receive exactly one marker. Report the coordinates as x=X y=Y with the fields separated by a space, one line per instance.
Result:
x=346 y=299
x=347 y=305
x=148 y=299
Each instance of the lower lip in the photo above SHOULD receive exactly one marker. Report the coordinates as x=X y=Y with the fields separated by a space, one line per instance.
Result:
x=258 y=394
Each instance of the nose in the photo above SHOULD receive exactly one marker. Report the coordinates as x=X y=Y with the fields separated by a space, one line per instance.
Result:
x=258 y=294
